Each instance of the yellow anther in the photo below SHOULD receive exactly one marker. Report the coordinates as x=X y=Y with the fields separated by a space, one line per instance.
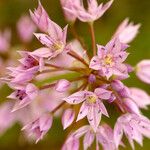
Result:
x=58 y=46
x=92 y=99
x=108 y=60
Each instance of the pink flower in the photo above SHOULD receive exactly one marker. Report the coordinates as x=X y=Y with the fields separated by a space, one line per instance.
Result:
x=20 y=76
x=126 y=31
x=39 y=127
x=109 y=59
x=73 y=145
x=5 y=111
x=93 y=13
x=92 y=106
x=23 y=95
x=28 y=61
x=25 y=28
x=103 y=136
x=68 y=117
x=32 y=59
x=140 y=97
x=68 y=4
x=5 y=37
x=55 y=40
x=92 y=78
x=40 y=18
x=74 y=138
x=134 y=126
x=143 y=71
x=62 y=85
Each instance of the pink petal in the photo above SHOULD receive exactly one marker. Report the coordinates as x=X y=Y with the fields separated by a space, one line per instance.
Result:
x=140 y=97
x=127 y=31
x=76 y=98
x=102 y=93
x=94 y=117
x=101 y=50
x=95 y=63
x=31 y=91
x=118 y=133
x=68 y=118
x=83 y=111
x=44 y=39
x=88 y=139
x=45 y=122
x=62 y=85
x=104 y=8
x=54 y=30
x=143 y=71
x=131 y=106
x=80 y=132
x=42 y=52
x=102 y=108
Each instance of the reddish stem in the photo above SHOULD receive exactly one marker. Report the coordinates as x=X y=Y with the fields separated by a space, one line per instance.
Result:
x=93 y=38
x=78 y=57
x=59 y=106
x=59 y=68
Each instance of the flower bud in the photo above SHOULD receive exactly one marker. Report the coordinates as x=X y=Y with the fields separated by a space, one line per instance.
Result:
x=129 y=68
x=62 y=85
x=143 y=71
x=130 y=106
x=91 y=78
x=125 y=92
x=117 y=85
x=25 y=27
x=39 y=127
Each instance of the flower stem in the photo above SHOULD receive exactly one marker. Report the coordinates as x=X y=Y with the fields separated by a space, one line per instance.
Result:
x=59 y=68
x=78 y=57
x=53 y=84
x=93 y=38
x=47 y=86
x=59 y=106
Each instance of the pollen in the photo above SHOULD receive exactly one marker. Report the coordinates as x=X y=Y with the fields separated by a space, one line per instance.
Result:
x=91 y=99
x=108 y=60
x=58 y=46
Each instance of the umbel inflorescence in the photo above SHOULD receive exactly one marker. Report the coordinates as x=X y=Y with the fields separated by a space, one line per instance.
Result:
x=84 y=83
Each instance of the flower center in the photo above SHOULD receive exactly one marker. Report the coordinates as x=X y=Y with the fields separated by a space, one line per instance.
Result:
x=108 y=60
x=58 y=46
x=91 y=99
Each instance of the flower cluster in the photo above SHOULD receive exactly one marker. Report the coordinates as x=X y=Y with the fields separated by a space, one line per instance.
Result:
x=70 y=80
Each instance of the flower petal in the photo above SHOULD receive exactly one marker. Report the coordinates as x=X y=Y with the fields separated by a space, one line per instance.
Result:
x=68 y=118
x=76 y=98
x=83 y=111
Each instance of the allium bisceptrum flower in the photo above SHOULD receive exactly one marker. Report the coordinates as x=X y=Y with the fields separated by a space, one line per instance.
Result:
x=109 y=59
x=92 y=106
x=26 y=27
x=93 y=12
x=73 y=82
x=126 y=31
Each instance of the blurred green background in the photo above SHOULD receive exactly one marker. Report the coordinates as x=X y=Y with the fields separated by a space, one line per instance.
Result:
x=137 y=10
